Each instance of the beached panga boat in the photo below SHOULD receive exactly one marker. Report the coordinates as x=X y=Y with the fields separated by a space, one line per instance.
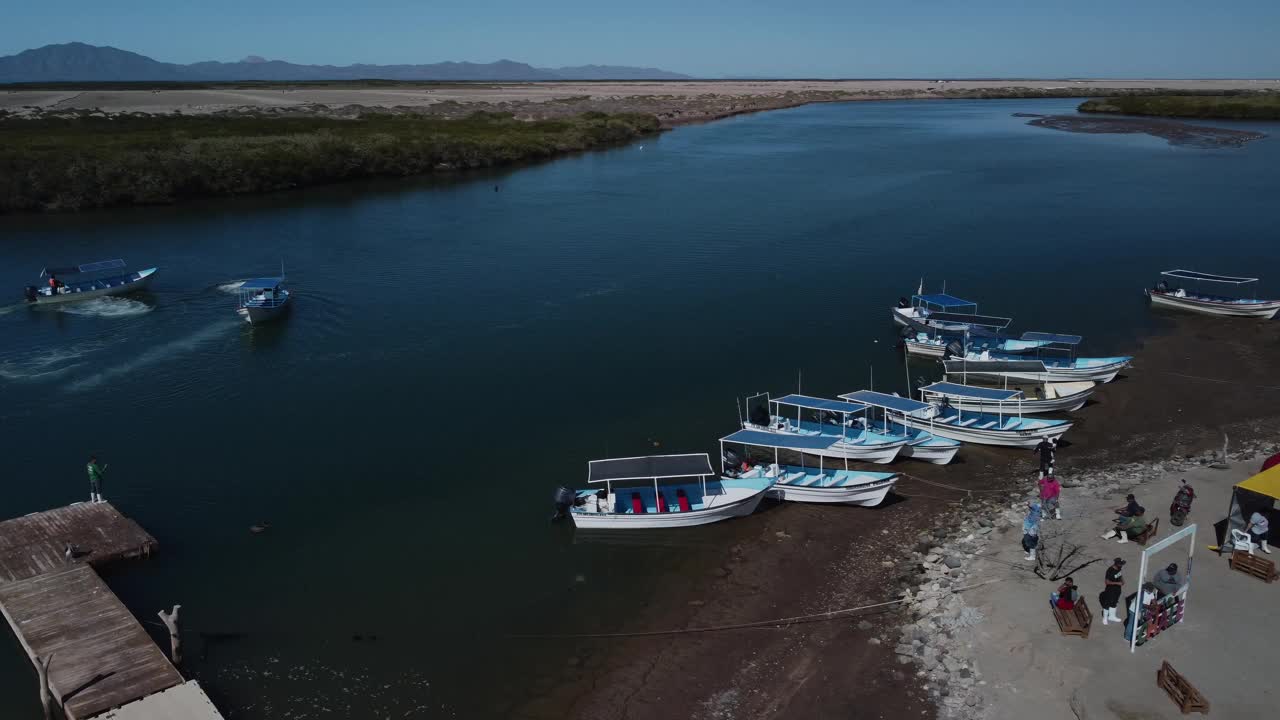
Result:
x=800 y=483
x=921 y=444
x=85 y=282
x=658 y=491
x=1211 y=304
x=835 y=433
x=984 y=428
x=1036 y=397
x=1001 y=368
x=946 y=314
x=263 y=299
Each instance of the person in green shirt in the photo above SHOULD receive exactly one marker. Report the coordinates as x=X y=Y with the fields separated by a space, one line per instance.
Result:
x=95 y=479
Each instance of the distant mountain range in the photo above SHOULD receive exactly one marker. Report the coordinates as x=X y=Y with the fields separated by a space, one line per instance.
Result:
x=78 y=62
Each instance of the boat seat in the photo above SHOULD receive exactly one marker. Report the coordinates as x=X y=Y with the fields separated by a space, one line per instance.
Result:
x=810 y=480
x=948 y=419
x=662 y=503
x=966 y=423
x=637 y=506
x=790 y=478
x=985 y=425
x=682 y=499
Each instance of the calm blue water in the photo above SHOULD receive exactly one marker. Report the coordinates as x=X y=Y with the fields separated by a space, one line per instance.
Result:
x=455 y=353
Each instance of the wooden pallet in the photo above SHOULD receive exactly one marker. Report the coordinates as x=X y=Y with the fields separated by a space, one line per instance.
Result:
x=1261 y=568
x=1184 y=695
x=1149 y=533
x=1075 y=621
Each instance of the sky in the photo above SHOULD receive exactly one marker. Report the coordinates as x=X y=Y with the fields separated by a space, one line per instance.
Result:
x=704 y=38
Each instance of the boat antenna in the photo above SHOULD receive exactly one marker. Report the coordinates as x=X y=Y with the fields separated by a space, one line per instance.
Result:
x=920 y=288
x=799 y=376
x=281 y=268
x=872 y=368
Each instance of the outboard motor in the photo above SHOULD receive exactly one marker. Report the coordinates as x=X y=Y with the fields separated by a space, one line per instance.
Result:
x=760 y=416
x=563 y=498
x=732 y=463
x=903 y=303
x=30 y=293
x=955 y=349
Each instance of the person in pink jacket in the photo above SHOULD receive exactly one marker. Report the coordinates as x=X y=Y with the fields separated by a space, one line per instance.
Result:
x=1050 y=490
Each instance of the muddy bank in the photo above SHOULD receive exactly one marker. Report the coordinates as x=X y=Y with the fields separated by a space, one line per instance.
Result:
x=1177 y=133
x=1204 y=377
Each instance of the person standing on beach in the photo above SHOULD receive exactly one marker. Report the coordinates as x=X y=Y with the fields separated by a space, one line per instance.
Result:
x=1047 y=449
x=95 y=479
x=1113 y=585
x=1050 y=491
x=1031 y=531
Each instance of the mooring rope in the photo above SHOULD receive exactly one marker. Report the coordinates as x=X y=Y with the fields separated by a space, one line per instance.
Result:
x=829 y=615
x=1220 y=380
x=947 y=487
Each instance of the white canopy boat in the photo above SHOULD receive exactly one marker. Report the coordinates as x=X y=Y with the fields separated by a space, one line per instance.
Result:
x=1163 y=294
x=936 y=345
x=921 y=444
x=263 y=299
x=85 y=282
x=946 y=314
x=676 y=493
x=988 y=366
x=836 y=433
x=984 y=428
x=798 y=483
x=1033 y=397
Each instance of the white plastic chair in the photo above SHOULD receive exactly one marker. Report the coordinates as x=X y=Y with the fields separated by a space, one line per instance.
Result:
x=1240 y=540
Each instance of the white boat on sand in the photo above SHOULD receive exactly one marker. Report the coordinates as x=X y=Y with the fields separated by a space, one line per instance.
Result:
x=984 y=428
x=85 y=282
x=1210 y=304
x=658 y=491
x=833 y=429
x=801 y=483
x=1035 y=398
x=921 y=444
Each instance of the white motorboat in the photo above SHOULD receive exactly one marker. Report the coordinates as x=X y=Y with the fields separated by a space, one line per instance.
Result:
x=1210 y=304
x=263 y=299
x=984 y=428
x=1000 y=369
x=801 y=483
x=1036 y=397
x=921 y=444
x=676 y=492
x=834 y=429
x=85 y=282
x=940 y=313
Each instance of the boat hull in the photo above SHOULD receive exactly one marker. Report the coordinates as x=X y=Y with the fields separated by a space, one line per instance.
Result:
x=1024 y=438
x=879 y=453
x=124 y=288
x=936 y=454
x=916 y=348
x=1263 y=310
x=868 y=495
x=1098 y=374
x=739 y=506
x=259 y=315
x=1034 y=406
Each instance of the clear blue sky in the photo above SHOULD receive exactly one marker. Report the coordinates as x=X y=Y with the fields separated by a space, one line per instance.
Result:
x=711 y=38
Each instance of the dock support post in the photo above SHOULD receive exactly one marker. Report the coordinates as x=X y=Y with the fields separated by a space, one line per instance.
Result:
x=42 y=671
x=175 y=640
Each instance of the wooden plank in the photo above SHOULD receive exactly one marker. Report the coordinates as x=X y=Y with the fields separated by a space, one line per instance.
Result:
x=102 y=657
x=36 y=544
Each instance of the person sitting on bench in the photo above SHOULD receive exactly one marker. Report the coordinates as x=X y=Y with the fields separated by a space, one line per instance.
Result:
x=1067 y=596
x=1128 y=527
x=1130 y=507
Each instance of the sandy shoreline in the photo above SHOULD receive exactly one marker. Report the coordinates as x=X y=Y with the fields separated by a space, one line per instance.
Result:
x=1187 y=387
x=674 y=102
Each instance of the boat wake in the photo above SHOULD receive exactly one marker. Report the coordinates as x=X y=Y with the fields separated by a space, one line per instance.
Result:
x=107 y=307
x=46 y=365
x=155 y=355
x=231 y=288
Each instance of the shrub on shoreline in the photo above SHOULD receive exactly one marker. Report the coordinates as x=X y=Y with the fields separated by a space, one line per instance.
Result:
x=1258 y=106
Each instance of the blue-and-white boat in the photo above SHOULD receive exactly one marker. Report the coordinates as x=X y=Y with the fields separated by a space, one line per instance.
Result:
x=801 y=483
x=88 y=281
x=940 y=313
x=983 y=428
x=937 y=345
x=1209 y=303
x=921 y=444
x=1036 y=397
x=263 y=299
x=840 y=429
x=659 y=491
x=1056 y=361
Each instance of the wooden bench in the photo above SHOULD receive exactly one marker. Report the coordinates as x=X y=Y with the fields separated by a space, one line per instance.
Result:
x=1146 y=535
x=1261 y=568
x=1075 y=621
x=1184 y=695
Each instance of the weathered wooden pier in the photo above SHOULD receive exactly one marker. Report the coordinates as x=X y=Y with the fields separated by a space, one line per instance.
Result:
x=100 y=661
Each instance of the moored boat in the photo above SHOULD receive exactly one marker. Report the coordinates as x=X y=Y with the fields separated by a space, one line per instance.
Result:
x=801 y=483
x=1207 y=303
x=940 y=313
x=1036 y=397
x=263 y=299
x=677 y=491
x=984 y=428
x=921 y=444
x=840 y=429
x=85 y=282
x=1002 y=368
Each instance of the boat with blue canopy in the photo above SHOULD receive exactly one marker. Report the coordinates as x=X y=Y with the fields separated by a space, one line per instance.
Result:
x=1036 y=397
x=658 y=491
x=802 y=483
x=921 y=444
x=1210 y=303
x=937 y=344
x=828 y=428
x=947 y=315
x=85 y=282
x=262 y=299
x=1002 y=367
x=985 y=428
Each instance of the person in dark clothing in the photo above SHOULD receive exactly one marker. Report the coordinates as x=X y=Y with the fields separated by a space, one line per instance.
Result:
x=1067 y=596
x=1113 y=586
x=1047 y=448
x=1130 y=507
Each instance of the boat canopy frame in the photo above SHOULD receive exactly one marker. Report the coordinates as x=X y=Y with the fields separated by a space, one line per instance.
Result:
x=1207 y=277
x=86 y=269
x=808 y=402
x=650 y=467
x=757 y=438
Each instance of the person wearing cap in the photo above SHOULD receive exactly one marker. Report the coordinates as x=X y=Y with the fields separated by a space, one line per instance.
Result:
x=1130 y=506
x=1067 y=596
x=1168 y=581
x=1113 y=585
x=1128 y=526
x=1258 y=529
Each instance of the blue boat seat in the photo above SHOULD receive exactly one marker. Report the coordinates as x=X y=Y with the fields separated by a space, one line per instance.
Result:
x=948 y=419
x=966 y=423
x=791 y=478
x=985 y=425
x=809 y=480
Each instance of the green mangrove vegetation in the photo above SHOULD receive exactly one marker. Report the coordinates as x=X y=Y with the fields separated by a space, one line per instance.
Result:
x=1243 y=106
x=95 y=160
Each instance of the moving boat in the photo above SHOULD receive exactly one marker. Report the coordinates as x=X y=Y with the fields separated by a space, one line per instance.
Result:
x=85 y=282
x=836 y=433
x=1035 y=398
x=676 y=493
x=921 y=444
x=263 y=299
x=798 y=483
x=1163 y=294
x=984 y=428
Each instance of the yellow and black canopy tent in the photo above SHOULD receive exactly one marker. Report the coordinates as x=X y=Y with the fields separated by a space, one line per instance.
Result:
x=1257 y=494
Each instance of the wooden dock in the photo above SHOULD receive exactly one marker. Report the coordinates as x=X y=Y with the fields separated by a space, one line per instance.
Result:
x=58 y=607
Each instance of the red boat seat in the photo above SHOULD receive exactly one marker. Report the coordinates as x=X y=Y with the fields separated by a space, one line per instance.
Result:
x=682 y=499
x=637 y=507
x=662 y=503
